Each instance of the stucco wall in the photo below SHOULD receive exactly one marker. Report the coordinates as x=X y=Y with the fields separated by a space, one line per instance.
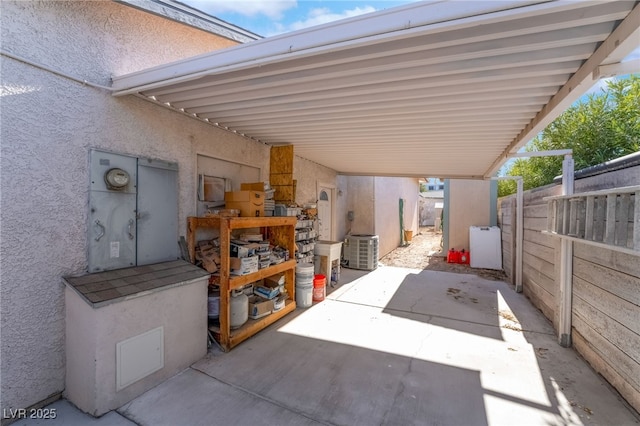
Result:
x=375 y=206
x=49 y=123
x=469 y=205
x=361 y=200
x=388 y=191
x=308 y=174
x=92 y=335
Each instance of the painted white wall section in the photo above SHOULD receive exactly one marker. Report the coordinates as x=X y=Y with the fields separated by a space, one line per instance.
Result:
x=362 y=203
x=375 y=206
x=469 y=205
x=388 y=192
x=49 y=124
x=308 y=174
x=93 y=335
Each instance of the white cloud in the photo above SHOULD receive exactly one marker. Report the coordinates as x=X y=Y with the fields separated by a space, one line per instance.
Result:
x=323 y=15
x=273 y=9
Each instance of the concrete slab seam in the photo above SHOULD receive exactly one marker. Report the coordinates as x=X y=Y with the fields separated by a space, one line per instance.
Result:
x=264 y=398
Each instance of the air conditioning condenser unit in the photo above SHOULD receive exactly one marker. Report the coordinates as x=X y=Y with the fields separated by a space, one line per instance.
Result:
x=361 y=251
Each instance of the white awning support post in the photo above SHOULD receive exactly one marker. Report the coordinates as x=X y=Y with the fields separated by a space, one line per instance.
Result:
x=519 y=231
x=519 y=227
x=566 y=261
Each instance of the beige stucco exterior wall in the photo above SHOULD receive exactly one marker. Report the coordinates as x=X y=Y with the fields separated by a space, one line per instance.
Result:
x=308 y=174
x=92 y=335
x=388 y=192
x=361 y=200
x=49 y=123
x=375 y=203
x=469 y=205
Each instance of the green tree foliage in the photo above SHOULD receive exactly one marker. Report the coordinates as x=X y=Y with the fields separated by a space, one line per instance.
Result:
x=603 y=127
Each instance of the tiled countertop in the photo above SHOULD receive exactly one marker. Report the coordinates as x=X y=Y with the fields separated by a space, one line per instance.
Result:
x=103 y=288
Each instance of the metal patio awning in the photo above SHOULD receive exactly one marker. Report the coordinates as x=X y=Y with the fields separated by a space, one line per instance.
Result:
x=446 y=89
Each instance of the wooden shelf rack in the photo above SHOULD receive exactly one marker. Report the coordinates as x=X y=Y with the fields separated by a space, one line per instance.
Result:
x=281 y=232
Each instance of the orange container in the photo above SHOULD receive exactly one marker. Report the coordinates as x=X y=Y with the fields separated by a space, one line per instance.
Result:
x=319 y=287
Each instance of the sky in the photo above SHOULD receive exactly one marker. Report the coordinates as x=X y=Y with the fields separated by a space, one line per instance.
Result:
x=272 y=17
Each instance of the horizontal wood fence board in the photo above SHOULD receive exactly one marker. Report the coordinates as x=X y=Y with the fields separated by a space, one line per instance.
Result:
x=596 y=360
x=540 y=298
x=626 y=313
x=535 y=223
x=623 y=262
x=537 y=250
x=623 y=286
x=547 y=269
x=540 y=238
x=621 y=337
x=535 y=210
x=540 y=279
x=617 y=360
x=535 y=196
x=505 y=222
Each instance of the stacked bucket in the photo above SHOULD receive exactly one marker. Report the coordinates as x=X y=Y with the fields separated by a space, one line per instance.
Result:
x=310 y=287
x=319 y=287
x=304 y=284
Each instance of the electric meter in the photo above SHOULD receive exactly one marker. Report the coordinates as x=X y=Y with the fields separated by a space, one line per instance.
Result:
x=116 y=179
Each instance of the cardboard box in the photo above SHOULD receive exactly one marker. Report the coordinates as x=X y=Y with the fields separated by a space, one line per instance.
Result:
x=238 y=249
x=274 y=281
x=252 y=186
x=259 y=307
x=243 y=266
x=266 y=292
x=250 y=203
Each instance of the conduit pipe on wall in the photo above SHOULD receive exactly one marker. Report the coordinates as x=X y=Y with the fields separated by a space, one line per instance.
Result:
x=111 y=90
x=54 y=71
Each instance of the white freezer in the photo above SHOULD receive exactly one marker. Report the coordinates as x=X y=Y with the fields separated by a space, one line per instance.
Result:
x=485 y=245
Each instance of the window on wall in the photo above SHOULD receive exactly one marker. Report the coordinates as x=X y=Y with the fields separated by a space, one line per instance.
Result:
x=216 y=176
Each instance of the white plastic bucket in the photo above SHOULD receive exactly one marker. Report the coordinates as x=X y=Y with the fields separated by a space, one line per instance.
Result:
x=304 y=296
x=213 y=307
x=305 y=271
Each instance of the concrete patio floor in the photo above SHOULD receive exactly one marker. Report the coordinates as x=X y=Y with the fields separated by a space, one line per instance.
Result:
x=395 y=346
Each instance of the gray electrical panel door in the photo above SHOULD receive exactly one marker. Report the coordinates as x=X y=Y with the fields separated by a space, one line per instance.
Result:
x=157 y=211
x=112 y=212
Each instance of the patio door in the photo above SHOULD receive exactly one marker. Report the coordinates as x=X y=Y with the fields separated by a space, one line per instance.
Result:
x=325 y=208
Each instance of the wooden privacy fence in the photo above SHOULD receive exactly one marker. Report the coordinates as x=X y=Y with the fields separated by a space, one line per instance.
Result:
x=604 y=226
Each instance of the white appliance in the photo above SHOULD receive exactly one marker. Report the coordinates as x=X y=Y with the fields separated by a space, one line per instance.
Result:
x=361 y=251
x=485 y=245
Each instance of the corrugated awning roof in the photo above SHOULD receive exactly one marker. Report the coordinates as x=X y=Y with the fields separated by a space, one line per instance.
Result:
x=445 y=89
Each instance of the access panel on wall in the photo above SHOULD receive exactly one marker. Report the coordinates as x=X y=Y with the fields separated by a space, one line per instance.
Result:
x=133 y=211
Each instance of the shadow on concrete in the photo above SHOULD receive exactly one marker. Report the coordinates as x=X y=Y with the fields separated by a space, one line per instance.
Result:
x=342 y=384
x=453 y=300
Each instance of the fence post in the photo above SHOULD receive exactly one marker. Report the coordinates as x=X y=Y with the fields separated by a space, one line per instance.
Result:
x=566 y=264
